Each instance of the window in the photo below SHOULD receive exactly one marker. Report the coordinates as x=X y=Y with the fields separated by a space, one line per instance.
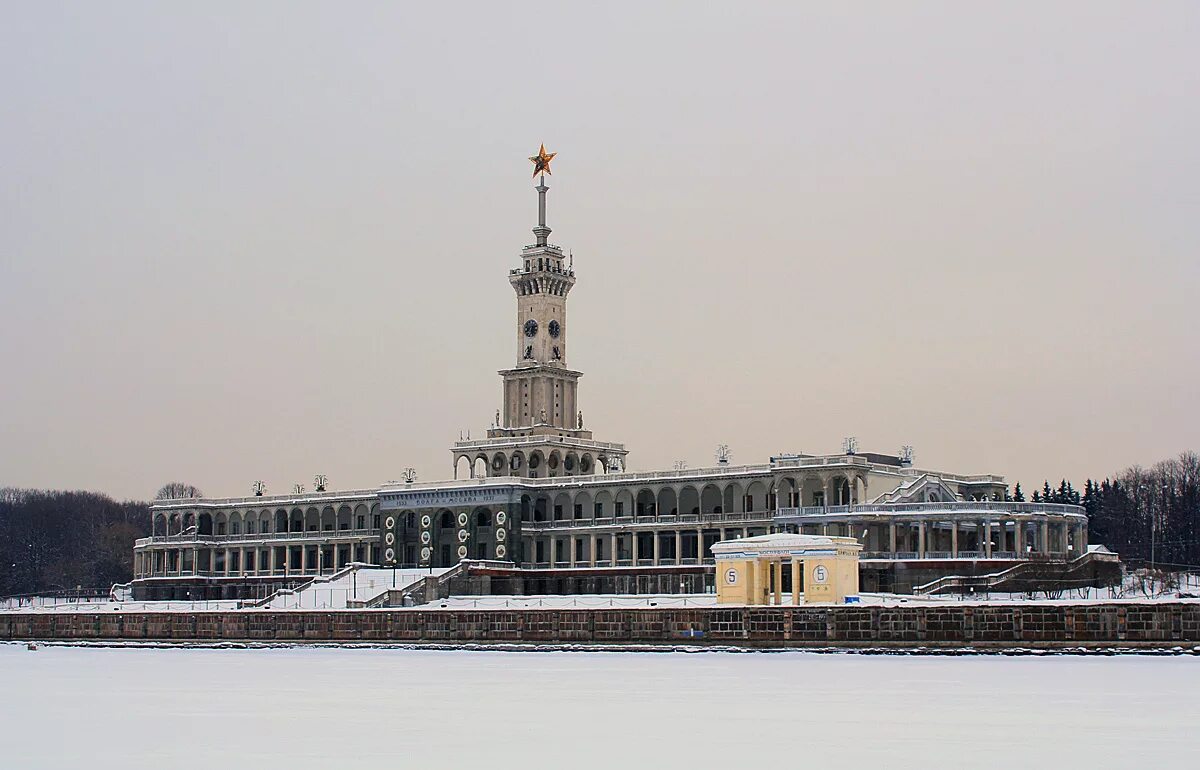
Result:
x=362 y=522
x=599 y=510
x=620 y=508
x=578 y=510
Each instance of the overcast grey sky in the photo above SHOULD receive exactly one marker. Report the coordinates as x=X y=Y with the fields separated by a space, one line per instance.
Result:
x=266 y=240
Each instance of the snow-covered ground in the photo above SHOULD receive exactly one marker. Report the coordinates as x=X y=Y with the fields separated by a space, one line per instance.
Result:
x=370 y=582
x=301 y=708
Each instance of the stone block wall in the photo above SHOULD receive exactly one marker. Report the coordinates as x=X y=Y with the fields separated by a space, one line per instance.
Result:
x=948 y=626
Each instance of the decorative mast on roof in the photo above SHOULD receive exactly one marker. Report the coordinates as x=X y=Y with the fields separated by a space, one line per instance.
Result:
x=541 y=165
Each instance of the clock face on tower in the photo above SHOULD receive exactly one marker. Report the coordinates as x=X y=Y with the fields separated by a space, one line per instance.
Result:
x=531 y=328
x=554 y=329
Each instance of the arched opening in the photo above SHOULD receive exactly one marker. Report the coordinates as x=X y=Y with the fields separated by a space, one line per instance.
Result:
x=526 y=508
x=297 y=520
x=189 y=522
x=312 y=520
x=623 y=505
x=541 y=508
x=841 y=490
x=479 y=467
x=281 y=520
x=582 y=506
x=158 y=526
x=602 y=507
x=756 y=497
x=206 y=524
x=174 y=524
x=689 y=501
x=462 y=467
x=710 y=499
x=586 y=465
x=645 y=504
x=235 y=523
x=812 y=492
x=554 y=463
x=328 y=519
x=480 y=545
x=536 y=463
x=444 y=541
x=667 y=502
x=517 y=462
x=499 y=464
x=562 y=506
x=570 y=463
x=733 y=498
x=787 y=493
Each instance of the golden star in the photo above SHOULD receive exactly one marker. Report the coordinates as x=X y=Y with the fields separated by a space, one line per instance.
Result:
x=541 y=161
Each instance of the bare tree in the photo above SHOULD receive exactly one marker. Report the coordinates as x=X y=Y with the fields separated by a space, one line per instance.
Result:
x=177 y=490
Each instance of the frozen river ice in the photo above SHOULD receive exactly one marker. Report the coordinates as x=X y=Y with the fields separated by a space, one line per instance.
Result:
x=134 y=708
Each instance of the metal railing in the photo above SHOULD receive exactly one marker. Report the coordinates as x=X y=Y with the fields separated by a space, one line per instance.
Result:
x=265 y=501
x=259 y=537
x=702 y=519
x=962 y=506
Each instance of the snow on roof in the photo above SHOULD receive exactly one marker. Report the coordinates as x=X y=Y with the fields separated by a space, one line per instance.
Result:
x=783 y=543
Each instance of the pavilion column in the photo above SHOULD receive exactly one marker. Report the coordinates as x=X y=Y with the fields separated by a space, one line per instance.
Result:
x=634 y=536
x=592 y=549
x=1045 y=529
x=921 y=539
x=892 y=537
x=678 y=546
x=571 y=544
x=699 y=546
x=612 y=558
x=1018 y=536
x=987 y=539
x=796 y=573
x=777 y=568
x=656 y=550
x=954 y=539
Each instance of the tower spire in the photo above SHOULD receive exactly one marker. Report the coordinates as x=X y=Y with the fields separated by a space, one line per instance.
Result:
x=541 y=231
x=541 y=166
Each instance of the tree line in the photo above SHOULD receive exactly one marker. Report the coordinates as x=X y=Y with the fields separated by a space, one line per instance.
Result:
x=1144 y=514
x=58 y=541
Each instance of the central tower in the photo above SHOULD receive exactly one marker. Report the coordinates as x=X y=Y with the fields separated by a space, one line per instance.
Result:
x=540 y=391
x=539 y=430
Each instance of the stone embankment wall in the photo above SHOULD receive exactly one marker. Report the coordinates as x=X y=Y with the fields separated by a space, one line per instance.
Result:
x=980 y=626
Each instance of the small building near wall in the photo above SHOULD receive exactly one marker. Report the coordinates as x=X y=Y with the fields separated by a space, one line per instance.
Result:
x=760 y=570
